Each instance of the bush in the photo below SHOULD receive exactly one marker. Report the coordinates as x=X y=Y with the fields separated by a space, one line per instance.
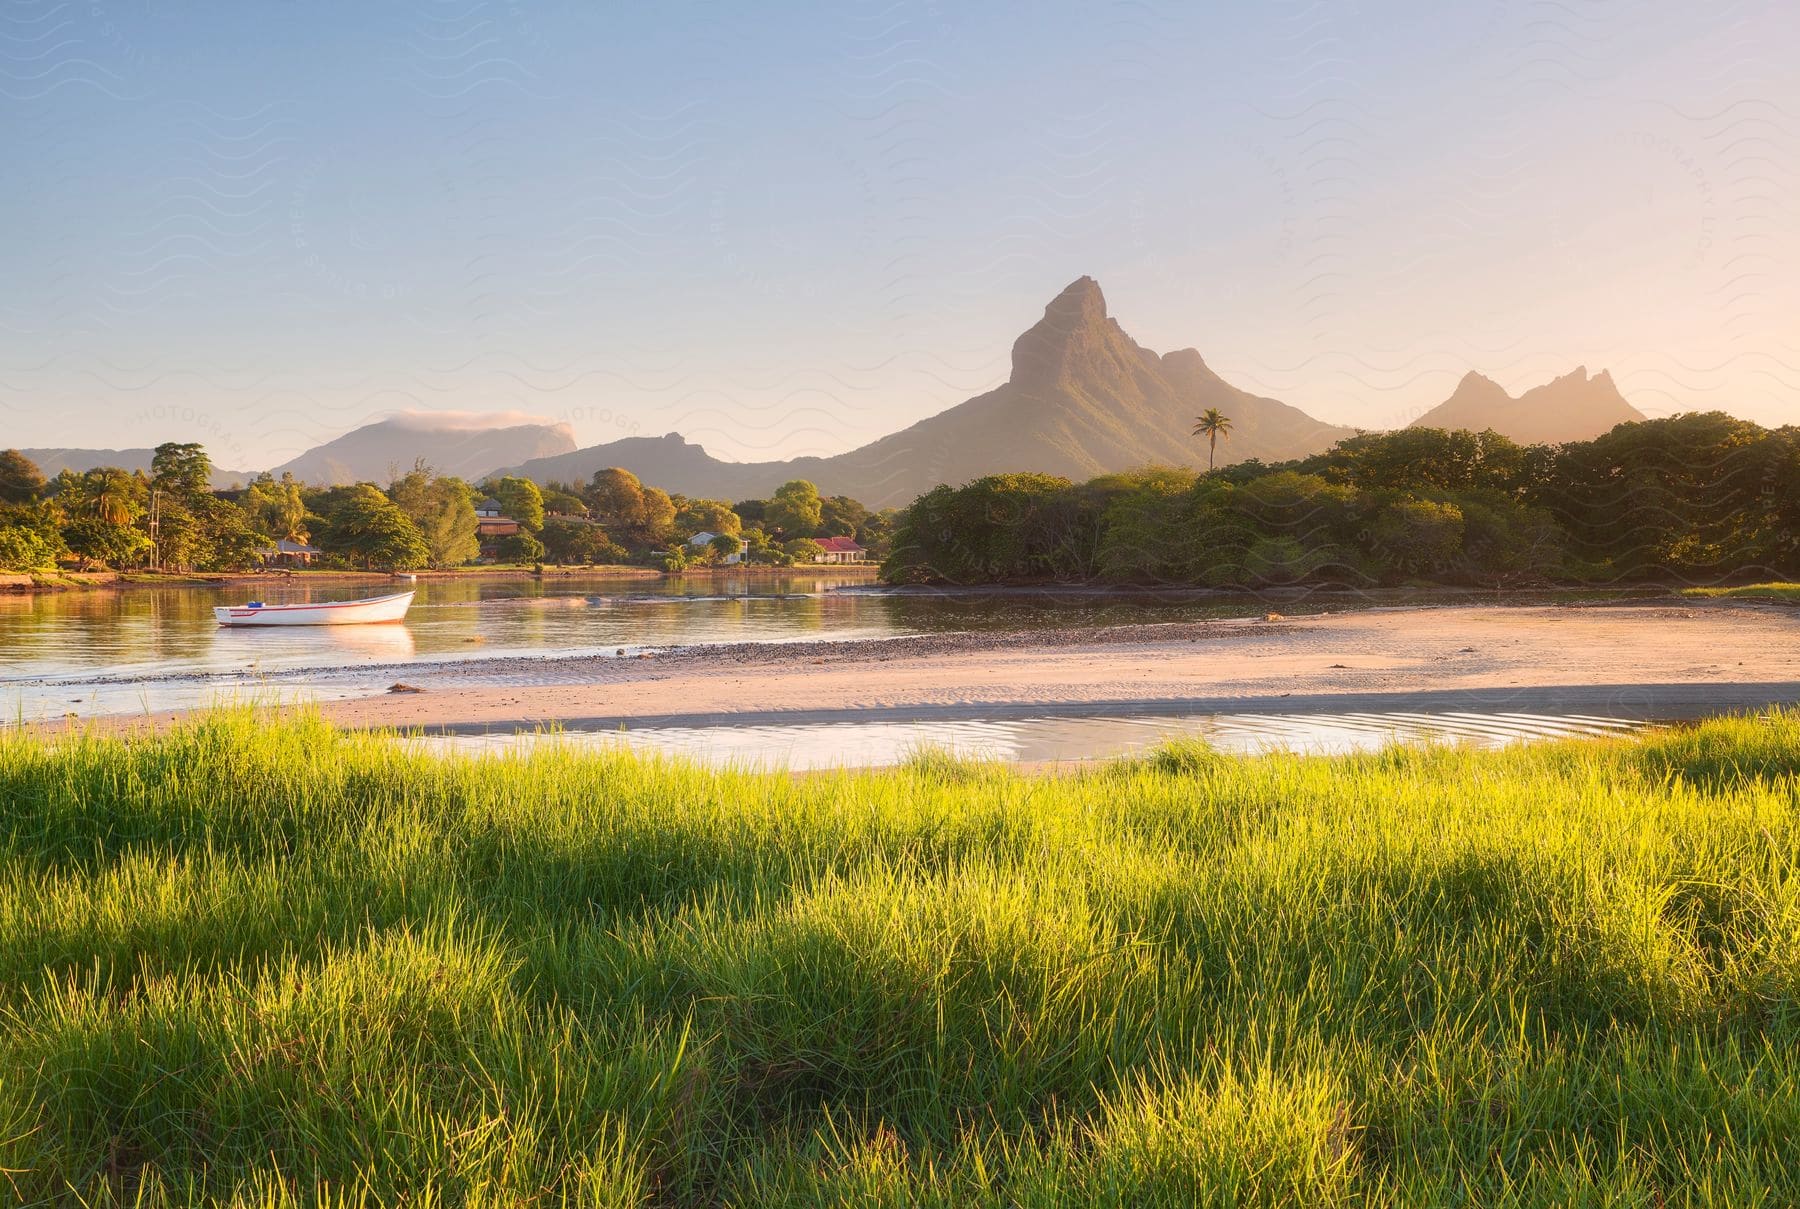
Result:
x=803 y=550
x=519 y=548
x=24 y=549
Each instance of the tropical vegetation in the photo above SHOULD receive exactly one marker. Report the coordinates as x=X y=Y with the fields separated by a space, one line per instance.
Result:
x=173 y=519
x=1700 y=498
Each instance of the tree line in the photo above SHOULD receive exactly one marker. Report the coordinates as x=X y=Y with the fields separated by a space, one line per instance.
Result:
x=171 y=518
x=1695 y=497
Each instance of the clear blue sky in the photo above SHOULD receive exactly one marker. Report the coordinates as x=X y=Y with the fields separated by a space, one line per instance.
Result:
x=790 y=229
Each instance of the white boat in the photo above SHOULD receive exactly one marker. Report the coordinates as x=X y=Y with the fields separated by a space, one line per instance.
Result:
x=338 y=612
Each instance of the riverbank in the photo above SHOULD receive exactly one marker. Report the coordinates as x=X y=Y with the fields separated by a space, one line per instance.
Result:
x=25 y=584
x=261 y=954
x=1631 y=659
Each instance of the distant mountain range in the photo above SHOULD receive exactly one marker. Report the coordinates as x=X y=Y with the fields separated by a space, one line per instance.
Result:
x=1083 y=399
x=54 y=461
x=1573 y=407
x=380 y=452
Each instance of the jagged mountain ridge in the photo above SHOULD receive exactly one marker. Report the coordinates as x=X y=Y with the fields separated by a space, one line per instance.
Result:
x=1083 y=399
x=1574 y=407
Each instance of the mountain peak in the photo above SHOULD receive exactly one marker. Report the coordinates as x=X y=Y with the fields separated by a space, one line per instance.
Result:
x=1082 y=294
x=1570 y=407
x=1478 y=388
x=1074 y=329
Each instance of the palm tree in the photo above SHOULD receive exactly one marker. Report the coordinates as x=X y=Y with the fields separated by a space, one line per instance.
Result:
x=1213 y=424
x=109 y=495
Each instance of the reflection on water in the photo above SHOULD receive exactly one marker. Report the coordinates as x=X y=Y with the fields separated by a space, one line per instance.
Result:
x=139 y=648
x=1035 y=740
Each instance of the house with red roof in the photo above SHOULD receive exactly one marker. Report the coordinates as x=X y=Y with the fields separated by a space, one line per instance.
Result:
x=841 y=550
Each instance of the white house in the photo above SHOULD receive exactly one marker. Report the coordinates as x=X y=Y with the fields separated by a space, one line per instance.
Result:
x=704 y=538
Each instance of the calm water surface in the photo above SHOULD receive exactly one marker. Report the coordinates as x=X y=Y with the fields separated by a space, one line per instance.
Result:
x=157 y=648
x=1050 y=740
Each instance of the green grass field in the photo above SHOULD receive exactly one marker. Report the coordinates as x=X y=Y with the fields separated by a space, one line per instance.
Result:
x=252 y=963
x=1770 y=591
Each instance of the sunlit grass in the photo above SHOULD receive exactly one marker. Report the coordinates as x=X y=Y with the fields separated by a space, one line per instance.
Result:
x=1769 y=591
x=266 y=962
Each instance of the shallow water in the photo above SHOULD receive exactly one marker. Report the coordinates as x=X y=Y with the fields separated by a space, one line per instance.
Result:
x=1049 y=740
x=142 y=649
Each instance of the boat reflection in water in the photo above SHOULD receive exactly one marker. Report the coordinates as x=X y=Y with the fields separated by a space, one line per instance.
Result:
x=328 y=646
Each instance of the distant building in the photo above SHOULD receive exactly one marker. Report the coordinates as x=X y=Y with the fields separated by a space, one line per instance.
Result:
x=841 y=550
x=706 y=537
x=491 y=527
x=490 y=507
x=289 y=553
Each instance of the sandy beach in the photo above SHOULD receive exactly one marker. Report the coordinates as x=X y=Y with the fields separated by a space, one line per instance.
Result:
x=1645 y=660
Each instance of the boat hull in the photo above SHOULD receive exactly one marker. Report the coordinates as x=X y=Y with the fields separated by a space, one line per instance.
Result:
x=342 y=612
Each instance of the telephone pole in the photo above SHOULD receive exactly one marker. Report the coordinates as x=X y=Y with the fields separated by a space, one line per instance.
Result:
x=155 y=529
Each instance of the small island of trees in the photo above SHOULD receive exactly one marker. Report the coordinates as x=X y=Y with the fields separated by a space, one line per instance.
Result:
x=1695 y=498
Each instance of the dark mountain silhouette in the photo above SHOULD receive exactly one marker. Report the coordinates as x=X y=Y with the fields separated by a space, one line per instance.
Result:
x=1083 y=399
x=451 y=444
x=1573 y=407
x=54 y=461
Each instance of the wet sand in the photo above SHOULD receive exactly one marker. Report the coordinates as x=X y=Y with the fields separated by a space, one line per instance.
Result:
x=1650 y=660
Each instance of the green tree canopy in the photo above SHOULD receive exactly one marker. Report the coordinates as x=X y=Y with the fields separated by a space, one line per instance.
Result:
x=275 y=507
x=559 y=501
x=520 y=547
x=658 y=519
x=365 y=526
x=616 y=499
x=706 y=516
x=181 y=468
x=802 y=549
x=572 y=540
x=795 y=510
x=1002 y=526
x=444 y=510
x=25 y=549
x=98 y=540
x=1412 y=458
x=520 y=499
x=841 y=516
x=105 y=492
x=20 y=479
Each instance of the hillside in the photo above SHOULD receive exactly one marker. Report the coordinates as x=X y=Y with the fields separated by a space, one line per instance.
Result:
x=1083 y=399
x=54 y=461
x=459 y=445
x=1573 y=407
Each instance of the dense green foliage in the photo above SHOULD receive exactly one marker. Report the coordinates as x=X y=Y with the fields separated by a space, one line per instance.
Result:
x=365 y=524
x=276 y=963
x=443 y=509
x=172 y=519
x=1698 y=497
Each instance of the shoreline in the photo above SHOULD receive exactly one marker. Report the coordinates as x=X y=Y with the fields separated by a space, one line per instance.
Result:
x=1649 y=660
x=48 y=583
